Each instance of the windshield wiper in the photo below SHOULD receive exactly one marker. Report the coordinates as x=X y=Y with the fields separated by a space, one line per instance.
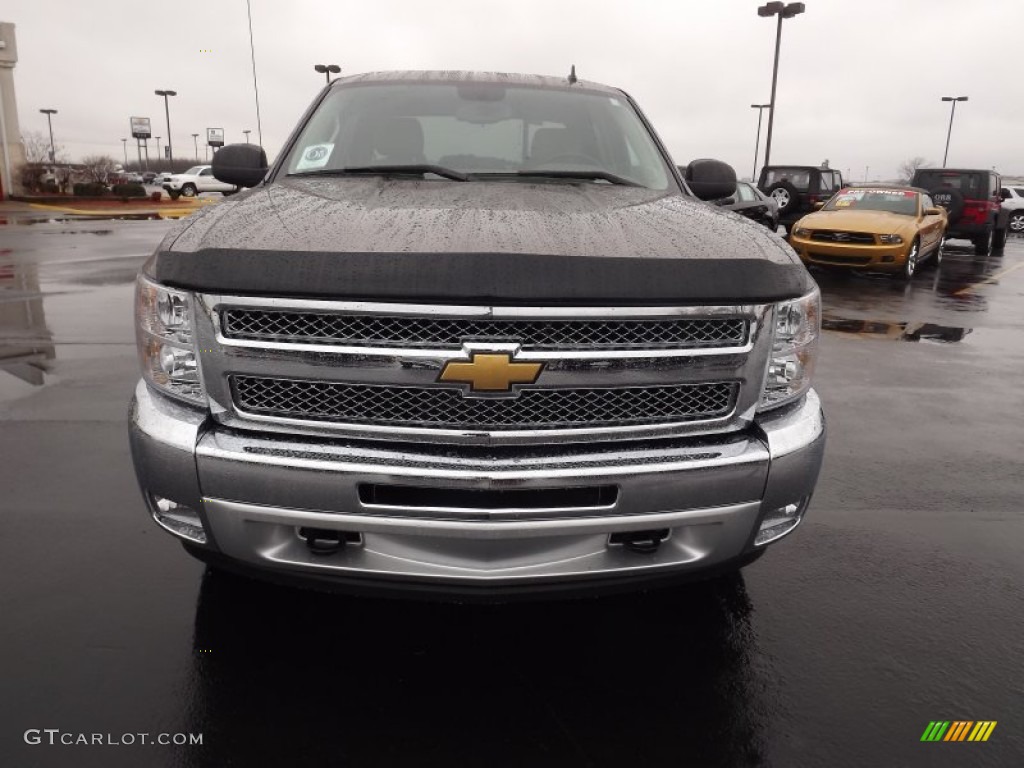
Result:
x=369 y=170
x=594 y=175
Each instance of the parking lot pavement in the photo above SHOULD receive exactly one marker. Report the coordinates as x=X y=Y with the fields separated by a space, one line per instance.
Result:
x=898 y=602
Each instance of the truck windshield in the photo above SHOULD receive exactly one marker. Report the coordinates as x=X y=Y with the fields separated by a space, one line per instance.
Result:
x=480 y=130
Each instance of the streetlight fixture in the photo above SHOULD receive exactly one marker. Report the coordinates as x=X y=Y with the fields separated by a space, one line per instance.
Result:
x=167 y=112
x=49 y=113
x=783 y=11
x=246 y=132
x=327 y=70
x=952 y=112
x=195 y=143
x=757 y=142
x=124 y=143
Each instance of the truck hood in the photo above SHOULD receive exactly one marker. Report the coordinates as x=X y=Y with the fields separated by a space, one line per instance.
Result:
x=497 y=242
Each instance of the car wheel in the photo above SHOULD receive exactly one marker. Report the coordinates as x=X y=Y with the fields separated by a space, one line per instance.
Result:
x=937 y=254
x=999 y=240
x=1016 y=223
x=910 y=267
x=174 y=195
x=189 y=190
x=785 y=196
x=982 y=244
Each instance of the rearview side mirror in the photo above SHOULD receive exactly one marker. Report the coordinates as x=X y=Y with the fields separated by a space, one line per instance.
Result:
x=933 y=211
x=243 y=165
x=710 y=179
x=819 y=205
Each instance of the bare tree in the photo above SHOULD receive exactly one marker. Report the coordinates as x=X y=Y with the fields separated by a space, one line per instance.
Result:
x=98 y=167
x=37 y=149
x=909 y=167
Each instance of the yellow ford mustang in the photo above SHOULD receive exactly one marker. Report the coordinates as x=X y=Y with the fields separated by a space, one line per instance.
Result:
x=883 y=229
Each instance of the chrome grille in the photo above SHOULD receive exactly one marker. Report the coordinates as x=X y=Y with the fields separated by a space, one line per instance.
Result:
x=440 y=333
x=829 y=236
x=444 y=408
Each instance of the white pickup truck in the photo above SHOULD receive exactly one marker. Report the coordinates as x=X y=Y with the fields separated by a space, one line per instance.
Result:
x=198 y=178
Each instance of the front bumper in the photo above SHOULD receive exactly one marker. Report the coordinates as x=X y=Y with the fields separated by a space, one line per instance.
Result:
x=874 y=258
x=254 y=492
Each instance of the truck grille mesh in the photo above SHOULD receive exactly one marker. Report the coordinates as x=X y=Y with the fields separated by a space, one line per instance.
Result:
x=399 y=331
x=442 y=408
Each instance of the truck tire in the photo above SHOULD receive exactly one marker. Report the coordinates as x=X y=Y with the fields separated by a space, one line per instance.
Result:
x=785 y=195
x=174 y=195
x=189 y=190
x=999 y=240
x=983 y=243
x=1016 y=222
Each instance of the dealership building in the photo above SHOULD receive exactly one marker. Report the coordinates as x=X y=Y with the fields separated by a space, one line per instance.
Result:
x=12 y=151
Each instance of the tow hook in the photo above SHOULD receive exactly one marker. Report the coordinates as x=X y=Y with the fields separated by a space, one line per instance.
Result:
x=644 y=542
x=324 y=541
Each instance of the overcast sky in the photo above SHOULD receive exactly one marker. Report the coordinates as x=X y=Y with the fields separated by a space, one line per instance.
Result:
x=859 y=80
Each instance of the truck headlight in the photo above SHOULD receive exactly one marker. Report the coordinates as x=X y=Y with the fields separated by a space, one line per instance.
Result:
x=164 y=333
x=796 y=326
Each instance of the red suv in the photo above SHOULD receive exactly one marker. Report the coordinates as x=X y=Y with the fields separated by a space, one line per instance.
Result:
x=972 y=200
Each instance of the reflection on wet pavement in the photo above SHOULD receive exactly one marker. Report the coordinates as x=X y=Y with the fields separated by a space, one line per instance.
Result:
x=26 y=344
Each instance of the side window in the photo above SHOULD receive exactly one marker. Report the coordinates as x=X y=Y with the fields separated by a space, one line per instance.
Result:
x=926 y=202
x=206 y=172
x=744 y=193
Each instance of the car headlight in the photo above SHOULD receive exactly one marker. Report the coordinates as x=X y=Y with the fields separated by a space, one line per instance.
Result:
x=890 y=239
x=795 y=330
x=165 y=338
x=801 y=232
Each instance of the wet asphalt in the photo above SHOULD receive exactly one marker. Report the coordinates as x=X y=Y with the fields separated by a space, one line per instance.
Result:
x=898 y=602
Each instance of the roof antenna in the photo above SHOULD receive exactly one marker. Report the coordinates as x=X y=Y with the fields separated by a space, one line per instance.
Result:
x=572 y=75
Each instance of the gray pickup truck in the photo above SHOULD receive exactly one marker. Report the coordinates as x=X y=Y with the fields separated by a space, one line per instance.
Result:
x=475 y=332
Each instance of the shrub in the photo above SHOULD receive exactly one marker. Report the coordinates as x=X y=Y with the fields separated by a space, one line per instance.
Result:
x=90 y=189
x=125 y=191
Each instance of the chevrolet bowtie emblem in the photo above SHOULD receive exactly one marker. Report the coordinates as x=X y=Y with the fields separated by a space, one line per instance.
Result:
x=490 y=372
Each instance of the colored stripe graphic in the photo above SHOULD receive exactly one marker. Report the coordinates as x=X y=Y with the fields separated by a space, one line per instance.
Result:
x=958 y=730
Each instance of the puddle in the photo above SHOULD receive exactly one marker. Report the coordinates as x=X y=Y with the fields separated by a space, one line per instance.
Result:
x=877 y=329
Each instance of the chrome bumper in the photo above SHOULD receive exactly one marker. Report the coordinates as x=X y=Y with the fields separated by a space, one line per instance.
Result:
x=253 y=492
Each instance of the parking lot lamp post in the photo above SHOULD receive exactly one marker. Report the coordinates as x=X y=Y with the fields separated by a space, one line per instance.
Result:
x=195 y=143
x=167 y=112
x=757 y=142
x=783 y=11
x=158 y=148
x=952 y=112
x=49 y=113
x=124 y=144
x=246 y=132
x=327 y=70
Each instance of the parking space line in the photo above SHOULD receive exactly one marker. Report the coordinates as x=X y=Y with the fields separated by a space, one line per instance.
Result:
x=991 y=279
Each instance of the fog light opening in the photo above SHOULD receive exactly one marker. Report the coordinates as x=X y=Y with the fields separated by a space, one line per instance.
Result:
x=778 y=522
x=178 y=519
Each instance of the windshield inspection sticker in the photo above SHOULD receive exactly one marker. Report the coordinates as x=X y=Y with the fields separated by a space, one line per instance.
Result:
x=315 y=156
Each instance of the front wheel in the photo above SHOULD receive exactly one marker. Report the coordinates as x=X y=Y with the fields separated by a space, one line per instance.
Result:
x=174 y=195
x=910 y=266
x=189 y=190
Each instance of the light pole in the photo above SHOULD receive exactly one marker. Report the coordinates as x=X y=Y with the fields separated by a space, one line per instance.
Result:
x=195 y=143
x=158 y=148
x=786 y=11
x=124 y=143
x=327 y=70
x=167 y=112
x=49 y=113
x=246 y=132
x=952 y=112
x=757 y=142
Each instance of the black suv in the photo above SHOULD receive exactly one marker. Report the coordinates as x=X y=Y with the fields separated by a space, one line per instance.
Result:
x=972 y=199
x=796 y=188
